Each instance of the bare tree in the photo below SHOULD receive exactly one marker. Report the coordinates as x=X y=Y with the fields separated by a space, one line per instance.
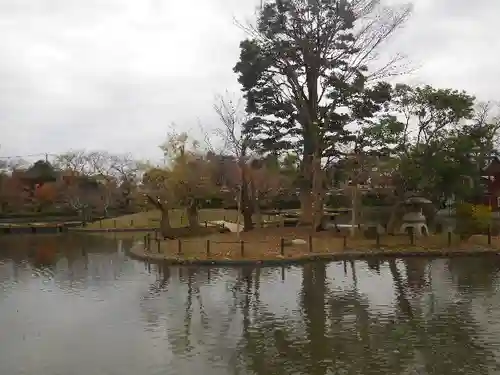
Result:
x=93 y=176
x=237 y=145
x=158 y=194
x=76 y=162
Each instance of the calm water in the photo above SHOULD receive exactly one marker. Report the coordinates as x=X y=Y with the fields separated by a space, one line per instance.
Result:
x=80 y=307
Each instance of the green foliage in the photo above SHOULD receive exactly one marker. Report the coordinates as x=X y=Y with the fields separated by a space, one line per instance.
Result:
x=284 y=203
x=214 y=202
x=338 y=201
x=472 y=219
x=374 y=200
x=439 y=142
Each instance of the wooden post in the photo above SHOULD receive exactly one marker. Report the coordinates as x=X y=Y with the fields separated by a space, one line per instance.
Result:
x=100 y=223
x=377 y=239
x=208 y=248
x=179 y=247
x=131 y=222
x=114 y=223
x=489 y=234
x=206 y=224
x=148 y=241
x=242 y=248
x=282 y=246
x=449 y=238
x=345 y=241
x=310 y=244
x=158 y=245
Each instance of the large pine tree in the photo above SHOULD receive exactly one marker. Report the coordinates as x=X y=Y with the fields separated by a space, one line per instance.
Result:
x=304 y=70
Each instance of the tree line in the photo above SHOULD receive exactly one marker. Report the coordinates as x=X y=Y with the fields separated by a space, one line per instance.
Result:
x=316 y=116
x=87 y=183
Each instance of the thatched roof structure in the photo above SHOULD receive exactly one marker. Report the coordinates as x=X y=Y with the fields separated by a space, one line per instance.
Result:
x=40 y=172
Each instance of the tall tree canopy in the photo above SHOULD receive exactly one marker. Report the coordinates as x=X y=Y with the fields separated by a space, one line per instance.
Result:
x=304 y=72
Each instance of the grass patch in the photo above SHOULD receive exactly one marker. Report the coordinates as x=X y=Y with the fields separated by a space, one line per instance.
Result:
x=37 y=224
x=178 y=219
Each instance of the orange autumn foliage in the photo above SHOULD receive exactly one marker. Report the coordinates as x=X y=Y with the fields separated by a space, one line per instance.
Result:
x=46 y=192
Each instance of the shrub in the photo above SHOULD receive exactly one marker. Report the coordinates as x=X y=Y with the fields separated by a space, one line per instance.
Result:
x=472 y=219
x=338 y=201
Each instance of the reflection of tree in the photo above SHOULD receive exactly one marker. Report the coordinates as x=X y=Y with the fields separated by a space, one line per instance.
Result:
x=60 y=256
x=452 y=343
x=374 y=264
x=149 y=306
x=403 y=302
x=162 y=281
x=313 y=308
x=415 y=273
x=190 y=333
x=45 y=256
x=447 y=341
x=338 y=333
x=480 y=272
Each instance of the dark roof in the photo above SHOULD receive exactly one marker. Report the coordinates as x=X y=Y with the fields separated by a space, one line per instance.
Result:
x=41 y=171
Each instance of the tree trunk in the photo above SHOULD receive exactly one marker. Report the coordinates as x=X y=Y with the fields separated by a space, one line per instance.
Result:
x=354 y=209
x=306 y=207
x=192 y=215
x=258 y=214
x=256 y=205
x=238 y=210
x=311 y=193
x=305 y=194
x=246 y=204
x=165 y=227
x=247 y=220
x=391 y=224
x=318 y=195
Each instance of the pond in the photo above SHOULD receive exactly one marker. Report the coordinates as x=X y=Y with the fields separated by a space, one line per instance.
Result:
x=80 y=306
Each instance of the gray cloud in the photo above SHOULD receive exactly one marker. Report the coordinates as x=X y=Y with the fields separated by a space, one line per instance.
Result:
x=113 y=74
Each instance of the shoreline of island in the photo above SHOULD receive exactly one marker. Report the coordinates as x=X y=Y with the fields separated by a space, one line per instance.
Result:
x=139 y=252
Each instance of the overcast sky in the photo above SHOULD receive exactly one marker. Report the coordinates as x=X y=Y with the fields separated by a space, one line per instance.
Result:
x=114 y=74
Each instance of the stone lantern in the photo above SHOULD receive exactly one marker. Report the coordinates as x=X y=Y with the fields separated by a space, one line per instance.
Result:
x=414 y=219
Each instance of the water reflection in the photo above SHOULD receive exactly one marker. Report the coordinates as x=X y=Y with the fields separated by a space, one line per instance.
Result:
x=80 y=305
